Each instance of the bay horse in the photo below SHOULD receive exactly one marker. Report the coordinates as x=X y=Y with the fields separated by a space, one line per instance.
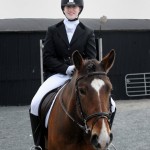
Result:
x=80 y=117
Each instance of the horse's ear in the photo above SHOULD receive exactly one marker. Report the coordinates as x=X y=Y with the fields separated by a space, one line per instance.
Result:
x=108 y=61
x=77 y=60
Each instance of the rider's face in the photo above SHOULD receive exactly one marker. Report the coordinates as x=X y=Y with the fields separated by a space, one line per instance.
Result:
x=72 y=12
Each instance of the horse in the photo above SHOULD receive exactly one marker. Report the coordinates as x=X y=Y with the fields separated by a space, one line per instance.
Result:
x=79 y=119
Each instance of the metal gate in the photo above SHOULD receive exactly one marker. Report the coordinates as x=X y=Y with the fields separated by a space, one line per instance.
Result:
x=41 y=60
x=137 y=84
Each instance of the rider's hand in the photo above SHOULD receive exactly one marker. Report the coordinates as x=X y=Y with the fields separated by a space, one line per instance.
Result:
x=70 y=70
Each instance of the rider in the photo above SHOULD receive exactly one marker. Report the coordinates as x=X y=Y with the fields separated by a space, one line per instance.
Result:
x=62 y=39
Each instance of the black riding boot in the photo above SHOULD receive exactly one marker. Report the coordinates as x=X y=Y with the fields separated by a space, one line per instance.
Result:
x=112 y=118
x=38 y=136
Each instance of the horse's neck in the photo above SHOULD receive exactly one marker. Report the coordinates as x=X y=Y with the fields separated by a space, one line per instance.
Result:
x=69 y=100
x=68 y=96
x=69 y=91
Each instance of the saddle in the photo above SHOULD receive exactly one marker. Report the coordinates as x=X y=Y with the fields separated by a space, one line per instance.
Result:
x=46 y=104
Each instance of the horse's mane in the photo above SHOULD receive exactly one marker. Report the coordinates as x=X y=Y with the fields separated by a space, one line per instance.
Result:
x=90 y=65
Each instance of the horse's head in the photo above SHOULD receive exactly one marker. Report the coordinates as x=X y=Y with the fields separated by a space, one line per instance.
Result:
x=93 y=89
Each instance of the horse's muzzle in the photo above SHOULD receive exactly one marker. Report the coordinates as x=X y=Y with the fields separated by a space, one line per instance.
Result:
x=101 y=144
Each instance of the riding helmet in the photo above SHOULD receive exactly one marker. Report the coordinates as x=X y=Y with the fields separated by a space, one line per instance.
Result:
x=79 y=3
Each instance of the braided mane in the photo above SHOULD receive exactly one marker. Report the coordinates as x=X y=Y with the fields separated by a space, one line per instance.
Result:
x=91 y=67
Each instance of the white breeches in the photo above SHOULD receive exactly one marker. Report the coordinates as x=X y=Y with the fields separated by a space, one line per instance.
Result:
x=51 y=83
x=113 y=105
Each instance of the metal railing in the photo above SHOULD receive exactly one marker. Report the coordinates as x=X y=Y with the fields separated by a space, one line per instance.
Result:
x=41 y=60
x=137 y=84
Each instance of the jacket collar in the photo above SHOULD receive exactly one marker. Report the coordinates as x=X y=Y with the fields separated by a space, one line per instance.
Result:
x=62 y=32
x=78 y=32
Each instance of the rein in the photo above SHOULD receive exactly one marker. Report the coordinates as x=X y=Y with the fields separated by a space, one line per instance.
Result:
x=63 y=107
x=85 y=118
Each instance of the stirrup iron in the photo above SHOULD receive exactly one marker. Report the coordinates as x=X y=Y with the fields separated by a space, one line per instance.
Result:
x=36 y=147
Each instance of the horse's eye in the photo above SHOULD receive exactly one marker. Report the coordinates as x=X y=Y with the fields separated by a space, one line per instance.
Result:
x=82 y=91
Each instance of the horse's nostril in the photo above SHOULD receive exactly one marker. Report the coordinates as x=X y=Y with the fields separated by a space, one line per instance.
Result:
x=94 y=141
x=111 y=137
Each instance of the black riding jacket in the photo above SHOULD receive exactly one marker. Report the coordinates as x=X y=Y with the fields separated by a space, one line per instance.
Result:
x=57 y=50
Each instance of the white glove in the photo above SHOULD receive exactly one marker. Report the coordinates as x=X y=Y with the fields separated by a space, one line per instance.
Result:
x=70 y=70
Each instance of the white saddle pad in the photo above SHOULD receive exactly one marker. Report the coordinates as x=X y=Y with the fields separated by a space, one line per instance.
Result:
x=48 y=114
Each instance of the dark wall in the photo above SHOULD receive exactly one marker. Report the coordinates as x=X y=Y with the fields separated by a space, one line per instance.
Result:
x=132 y=56
x=20 y=63
x=19 y=67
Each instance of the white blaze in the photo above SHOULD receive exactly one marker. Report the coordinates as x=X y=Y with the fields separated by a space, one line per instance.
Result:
x=71 y=0
x=97 y=84
x=104 y=138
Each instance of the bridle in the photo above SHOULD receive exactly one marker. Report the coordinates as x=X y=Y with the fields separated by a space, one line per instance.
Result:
x=86 y=118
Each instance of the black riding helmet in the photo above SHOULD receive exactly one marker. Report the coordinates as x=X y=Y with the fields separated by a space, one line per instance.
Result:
x=79 y=3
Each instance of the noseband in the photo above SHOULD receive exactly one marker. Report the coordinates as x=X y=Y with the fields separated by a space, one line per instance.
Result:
x=86 y=118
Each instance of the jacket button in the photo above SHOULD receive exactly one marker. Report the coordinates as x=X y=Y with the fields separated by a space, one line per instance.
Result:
x=68 y=49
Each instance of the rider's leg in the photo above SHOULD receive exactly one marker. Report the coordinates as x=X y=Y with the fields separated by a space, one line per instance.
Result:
x=38 y=135
x=50 y=84
x=113 y=111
